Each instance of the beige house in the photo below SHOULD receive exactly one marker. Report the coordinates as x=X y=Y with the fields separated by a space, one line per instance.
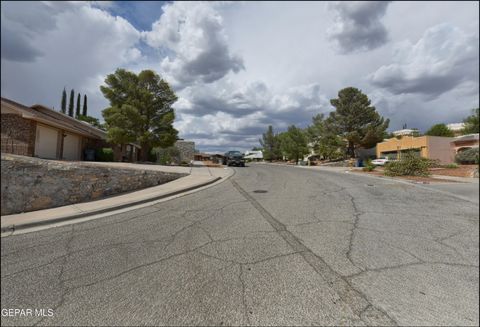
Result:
x=42 y=132
x=432 y=147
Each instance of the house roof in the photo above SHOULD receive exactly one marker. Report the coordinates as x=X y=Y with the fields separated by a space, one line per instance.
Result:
x=468 y=137
x=54 y=118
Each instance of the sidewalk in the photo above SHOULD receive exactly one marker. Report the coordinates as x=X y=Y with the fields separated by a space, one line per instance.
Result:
x=198 y=177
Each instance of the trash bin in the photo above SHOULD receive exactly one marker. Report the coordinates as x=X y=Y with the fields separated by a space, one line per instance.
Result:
x=359 y=163
x=89 y=155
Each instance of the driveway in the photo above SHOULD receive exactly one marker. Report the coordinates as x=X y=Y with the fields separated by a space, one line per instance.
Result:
x=273 y=245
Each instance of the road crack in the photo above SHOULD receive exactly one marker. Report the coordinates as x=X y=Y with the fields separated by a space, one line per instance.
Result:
x=354 y=298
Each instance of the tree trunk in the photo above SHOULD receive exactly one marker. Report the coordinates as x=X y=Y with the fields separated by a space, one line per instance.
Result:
x=351 y=149
x=144 y=152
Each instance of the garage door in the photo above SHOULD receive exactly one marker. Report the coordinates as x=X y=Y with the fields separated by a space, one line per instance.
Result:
x=71 y=147
x=46 y=142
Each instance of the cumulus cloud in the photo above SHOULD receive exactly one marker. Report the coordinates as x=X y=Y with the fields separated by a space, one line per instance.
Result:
x=69 y=44
x=443 y=58
x=194 y=33
x=357 y=25
x=225 y=113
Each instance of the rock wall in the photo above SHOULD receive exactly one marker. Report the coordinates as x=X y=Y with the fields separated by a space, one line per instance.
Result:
x=18 y=135
x=186 y=149
x=29 y=184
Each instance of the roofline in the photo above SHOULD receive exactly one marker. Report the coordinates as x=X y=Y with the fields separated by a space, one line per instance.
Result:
x=45 y=116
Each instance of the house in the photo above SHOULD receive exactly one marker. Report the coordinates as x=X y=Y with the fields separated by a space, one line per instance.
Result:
x=217 y=158
x=38 y=131
x=406 y=132
x=432 y=147
x=465 y=142
x=201 y=156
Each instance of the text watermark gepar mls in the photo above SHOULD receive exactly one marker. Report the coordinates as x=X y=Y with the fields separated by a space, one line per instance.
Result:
x=27 y=312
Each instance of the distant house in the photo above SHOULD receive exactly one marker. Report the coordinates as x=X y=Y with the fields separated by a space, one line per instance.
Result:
x=202 y=157
x=465 y=142
x=406 y=132
x=432 y=147
x=38 y=131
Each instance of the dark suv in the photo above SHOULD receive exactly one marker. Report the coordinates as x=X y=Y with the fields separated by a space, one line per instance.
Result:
x=234 y=158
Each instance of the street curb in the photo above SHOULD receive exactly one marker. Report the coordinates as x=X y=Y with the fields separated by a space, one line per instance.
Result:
x=13 y=228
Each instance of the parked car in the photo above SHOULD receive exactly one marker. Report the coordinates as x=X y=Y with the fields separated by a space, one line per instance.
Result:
x=380 y=161
x=234 y=158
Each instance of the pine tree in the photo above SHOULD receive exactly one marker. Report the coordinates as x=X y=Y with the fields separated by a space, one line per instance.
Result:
x=70 y=104
x=356 y=120
x=77 y=111
x=84 y=113
x=64 y=101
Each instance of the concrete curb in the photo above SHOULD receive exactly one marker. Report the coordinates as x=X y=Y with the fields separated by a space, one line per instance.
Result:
x=12 y=228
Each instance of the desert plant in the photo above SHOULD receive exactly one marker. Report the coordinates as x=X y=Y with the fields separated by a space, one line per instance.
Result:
x=452 y=165
x=409 y=165
x=469 y=156
x=368 y=165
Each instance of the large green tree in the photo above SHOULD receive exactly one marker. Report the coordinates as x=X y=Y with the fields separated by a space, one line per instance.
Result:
x=270 y=144
x=140 y=110
x=64 y=101
x=324 y=141
x=472 y=122
x=439 y=130
x=356 y=120
x=293 y=143
x=70 y=104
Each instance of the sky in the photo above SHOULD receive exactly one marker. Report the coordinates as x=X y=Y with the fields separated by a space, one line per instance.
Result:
x=238 y=67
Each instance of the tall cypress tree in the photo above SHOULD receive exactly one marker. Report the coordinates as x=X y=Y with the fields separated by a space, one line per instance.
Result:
x=77 y=111
x=70 y=104
x=84 y=113
x=64 y=101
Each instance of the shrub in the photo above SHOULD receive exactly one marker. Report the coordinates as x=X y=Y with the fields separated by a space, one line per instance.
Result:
x=368 y=165
x=450 y=166
x=410 y=164
x=166 y=156
x=104 y=154
x=469 y=156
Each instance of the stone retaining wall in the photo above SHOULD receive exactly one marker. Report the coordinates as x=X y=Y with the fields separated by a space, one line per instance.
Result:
x=30 y=184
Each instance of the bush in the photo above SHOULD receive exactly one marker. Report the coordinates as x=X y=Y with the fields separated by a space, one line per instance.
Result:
x=167 y=156
x=104 y=154
x=469 y=156
x=409 y=165
x=450 y=166
x=368 y=165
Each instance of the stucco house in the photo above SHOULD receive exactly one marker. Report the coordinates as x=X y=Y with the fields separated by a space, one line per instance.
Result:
x=431 y=147
x=38 y=131
x=465 y=142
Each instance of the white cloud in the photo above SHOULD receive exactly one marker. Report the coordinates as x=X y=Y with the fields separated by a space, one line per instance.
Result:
x=441 y=60
x=79 y=44
x=195 y=34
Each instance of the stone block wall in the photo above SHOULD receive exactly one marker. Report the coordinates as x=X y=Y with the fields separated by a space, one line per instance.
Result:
x=18 y=135
x=29 y=184
x=187 y=150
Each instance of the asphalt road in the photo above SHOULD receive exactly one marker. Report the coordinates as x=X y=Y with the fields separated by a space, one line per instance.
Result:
x=273 y=245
